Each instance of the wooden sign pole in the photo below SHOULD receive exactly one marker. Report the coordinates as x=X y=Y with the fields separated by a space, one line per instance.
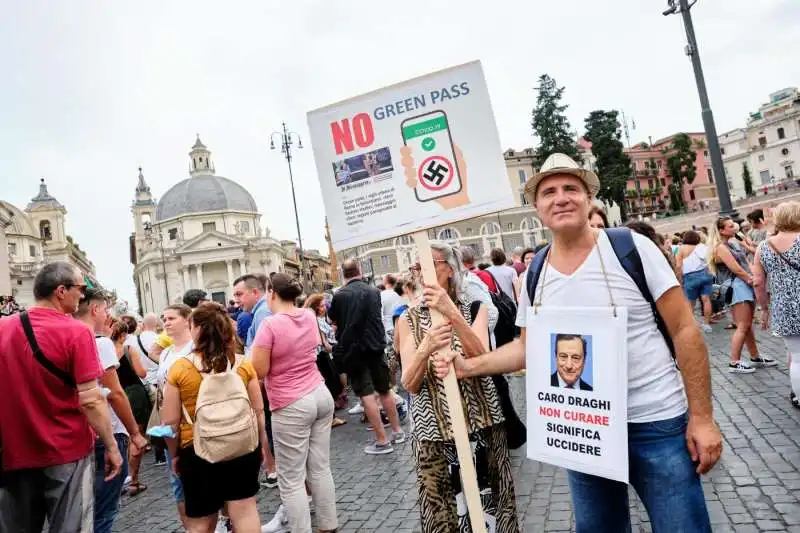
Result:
x=469 y=477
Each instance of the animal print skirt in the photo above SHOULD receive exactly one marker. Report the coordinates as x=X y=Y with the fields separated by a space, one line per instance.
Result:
x=443 y=507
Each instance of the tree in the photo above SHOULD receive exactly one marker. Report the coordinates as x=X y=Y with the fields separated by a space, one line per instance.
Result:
x=675 y=197
x=680 y=162
x=747 y=179
x=603 y=130
x=550 y=124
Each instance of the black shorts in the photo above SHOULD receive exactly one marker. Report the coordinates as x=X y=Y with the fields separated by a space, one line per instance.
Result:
x=139 y=399
x=207 y=486
x=368 y=374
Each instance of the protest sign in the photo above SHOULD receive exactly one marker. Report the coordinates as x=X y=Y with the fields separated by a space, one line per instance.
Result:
x=406 y=158
x=416 y=155
x=577 y=389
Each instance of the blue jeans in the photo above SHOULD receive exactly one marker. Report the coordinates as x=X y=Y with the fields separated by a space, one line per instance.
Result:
x=107 y=493
x=174 y=481
x=662 y=473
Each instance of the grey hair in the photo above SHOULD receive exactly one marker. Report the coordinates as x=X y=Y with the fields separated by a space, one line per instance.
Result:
x=454 y=259
x=467 y=255
x=51 y=277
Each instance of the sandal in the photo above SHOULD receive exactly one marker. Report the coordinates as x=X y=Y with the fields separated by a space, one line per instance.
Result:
x=134 y=489
x=336 y=422
x=730 y=326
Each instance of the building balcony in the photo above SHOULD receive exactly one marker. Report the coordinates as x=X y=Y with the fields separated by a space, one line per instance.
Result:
x=25 y=269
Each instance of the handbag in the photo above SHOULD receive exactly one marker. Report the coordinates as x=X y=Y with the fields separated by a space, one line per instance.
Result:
x=516 y=432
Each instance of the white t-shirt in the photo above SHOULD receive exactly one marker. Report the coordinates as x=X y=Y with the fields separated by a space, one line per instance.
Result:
x=390 y=301
x=168 y=357
x=108 y=359
x=505 y=276
x=655 y=387
x=696 y=261
x=149 y=341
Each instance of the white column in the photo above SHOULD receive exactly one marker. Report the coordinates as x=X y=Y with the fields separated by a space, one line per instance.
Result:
x=242 y=267
x=229 y=264
x=201 y=284
x=185 y=271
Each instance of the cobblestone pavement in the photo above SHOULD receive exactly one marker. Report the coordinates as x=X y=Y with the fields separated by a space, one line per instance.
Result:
x=754 y=488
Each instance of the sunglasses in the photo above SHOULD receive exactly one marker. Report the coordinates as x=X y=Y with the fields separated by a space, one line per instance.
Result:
x=81 y=287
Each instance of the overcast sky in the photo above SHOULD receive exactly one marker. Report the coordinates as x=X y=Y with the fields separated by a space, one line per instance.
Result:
x=92 y=90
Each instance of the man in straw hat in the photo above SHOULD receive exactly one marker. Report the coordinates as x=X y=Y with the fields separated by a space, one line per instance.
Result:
x=672 y=436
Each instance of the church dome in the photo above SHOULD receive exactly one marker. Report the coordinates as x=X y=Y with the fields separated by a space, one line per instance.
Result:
x=202 y=193
x=20 y=225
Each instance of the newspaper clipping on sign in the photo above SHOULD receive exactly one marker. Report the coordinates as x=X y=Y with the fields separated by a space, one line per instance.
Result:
x=416 y=155
x=577 y=389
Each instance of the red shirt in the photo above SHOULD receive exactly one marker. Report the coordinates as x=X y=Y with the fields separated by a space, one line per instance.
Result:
x=486 y=278
x=41 y=423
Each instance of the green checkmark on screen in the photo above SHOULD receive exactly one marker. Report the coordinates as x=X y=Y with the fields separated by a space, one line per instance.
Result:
x=428 y=144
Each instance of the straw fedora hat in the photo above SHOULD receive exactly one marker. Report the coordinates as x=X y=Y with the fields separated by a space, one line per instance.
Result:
x=562 y=164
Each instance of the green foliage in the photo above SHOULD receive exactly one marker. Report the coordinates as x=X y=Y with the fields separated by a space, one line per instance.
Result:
x=680 y=162
x=747 y=179
x=675 y=197
x=550 y=124
x=603 y=130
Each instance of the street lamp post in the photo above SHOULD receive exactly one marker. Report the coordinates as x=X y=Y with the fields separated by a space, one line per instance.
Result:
x=155 y=236
x=286 y=139
x=684 y=8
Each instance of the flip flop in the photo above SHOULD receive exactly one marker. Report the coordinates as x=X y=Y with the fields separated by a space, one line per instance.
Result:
x=134 y=489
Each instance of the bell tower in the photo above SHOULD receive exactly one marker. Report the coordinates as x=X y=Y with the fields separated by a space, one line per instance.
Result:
x=47 y=215
x=144 y=210
x=201 y=159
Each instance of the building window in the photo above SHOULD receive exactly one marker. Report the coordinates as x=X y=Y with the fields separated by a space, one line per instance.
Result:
x=789 y=171
x=405 y=240
x=522 y=177
x=510 y=226
x=691 y=194
x=781 y=133
x=12 y=248
x=765 y=177
x=711 y=176
x=663 y=182
x=244 y=226
x=385 y=262
x=760 y=158
x=209 y=226
x=44 y=230
x=448 y=234
x=469 y=232
x=173 y=233
x=722 y=151
x=32 y=248
x=649 y=184
x=762 y=141
x=492 y=228
x=705 y=154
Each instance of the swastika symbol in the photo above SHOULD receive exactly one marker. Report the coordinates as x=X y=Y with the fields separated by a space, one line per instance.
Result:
x=435 y=173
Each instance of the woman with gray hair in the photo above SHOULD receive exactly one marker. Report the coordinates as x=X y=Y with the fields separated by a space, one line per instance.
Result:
x=465 y=329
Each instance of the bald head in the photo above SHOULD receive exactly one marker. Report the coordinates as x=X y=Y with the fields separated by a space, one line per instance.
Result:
x=351 y=269
x=150 y=322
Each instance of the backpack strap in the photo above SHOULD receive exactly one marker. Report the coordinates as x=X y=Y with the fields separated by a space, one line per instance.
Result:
x=534 y=271
x=622 y=242
x=64 y=376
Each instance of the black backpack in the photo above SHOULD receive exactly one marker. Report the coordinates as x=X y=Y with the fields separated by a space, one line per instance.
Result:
x=505 y=330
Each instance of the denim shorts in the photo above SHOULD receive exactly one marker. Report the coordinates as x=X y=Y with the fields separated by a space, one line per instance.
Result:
x=742 y=292
x=696 y=284
x=174 y=481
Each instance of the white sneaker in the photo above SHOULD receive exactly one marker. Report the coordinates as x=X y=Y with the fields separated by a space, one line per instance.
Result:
x=222 y=525
x=740 y=367
x=127 y=481
x=398 y=400
x=279 y=522
x=357 y=410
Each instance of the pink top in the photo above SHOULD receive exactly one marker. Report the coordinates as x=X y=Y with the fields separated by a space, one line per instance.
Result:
x=292 y=339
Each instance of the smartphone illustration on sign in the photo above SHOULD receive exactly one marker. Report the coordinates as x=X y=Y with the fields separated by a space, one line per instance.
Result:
x=431 y=145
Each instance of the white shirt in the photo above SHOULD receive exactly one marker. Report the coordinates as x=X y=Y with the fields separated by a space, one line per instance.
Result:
x=505 y=277
x=655 y=387
x=149 y=341
x=168 y=358
x=696 y=261
x=108 y=359
x=475 y=289
x=390 y=301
